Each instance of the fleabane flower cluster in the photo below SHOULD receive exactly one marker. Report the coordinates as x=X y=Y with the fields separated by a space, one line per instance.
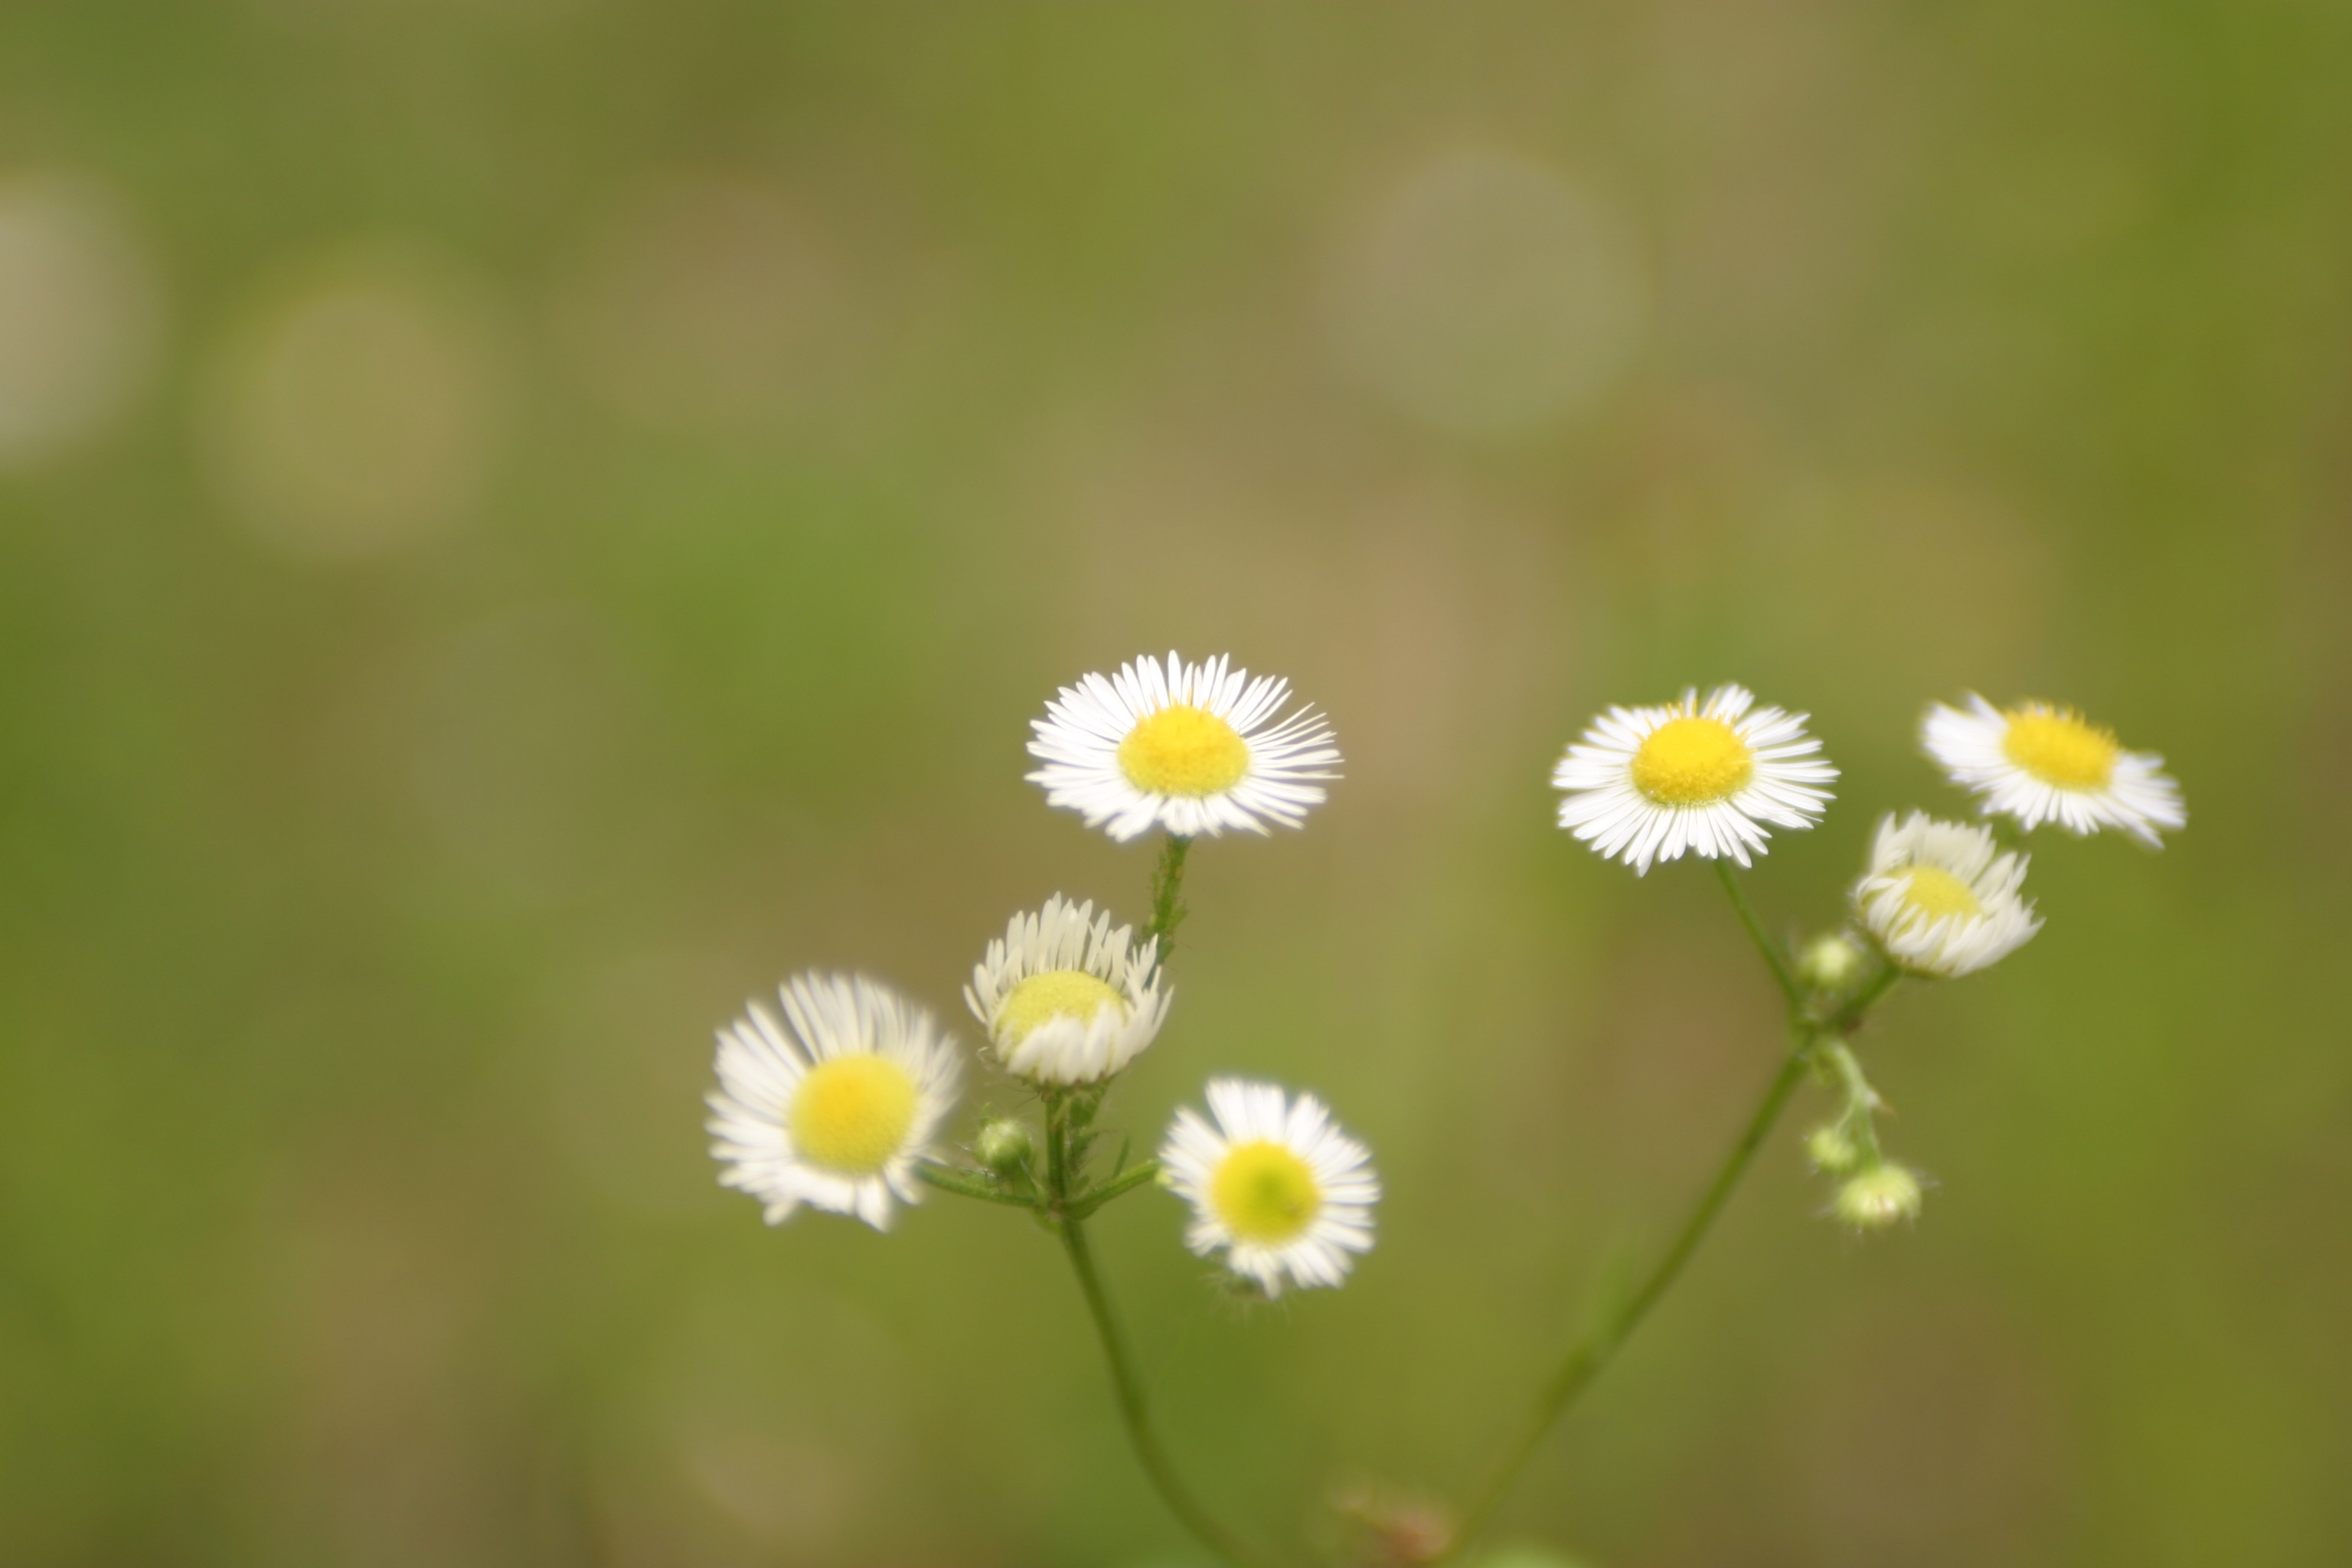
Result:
x=838 y=1099
x=839 y=1106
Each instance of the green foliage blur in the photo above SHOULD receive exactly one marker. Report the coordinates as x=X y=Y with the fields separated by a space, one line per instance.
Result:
x=524 y=522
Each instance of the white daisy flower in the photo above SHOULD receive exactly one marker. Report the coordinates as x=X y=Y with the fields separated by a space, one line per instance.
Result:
x=2039 y=762
x=834 y=1107
x=1647 y=783
x=1192 y=748
x=1275 y=1183
x=1066 y=998
x=1940 y=898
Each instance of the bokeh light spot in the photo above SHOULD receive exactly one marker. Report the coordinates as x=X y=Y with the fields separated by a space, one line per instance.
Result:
x=357 y=411
x=1488 y=295
x=78 y=314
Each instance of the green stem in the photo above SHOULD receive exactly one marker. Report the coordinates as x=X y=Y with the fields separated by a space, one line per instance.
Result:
x=1136 y=1416
x=1127 y=1181
x=1057 y=1171
x=1773 y=957
x=1586 y=1358
x=1167 y=895
x=1861 y=1100
x=1849 y=1017
x=965 y=1184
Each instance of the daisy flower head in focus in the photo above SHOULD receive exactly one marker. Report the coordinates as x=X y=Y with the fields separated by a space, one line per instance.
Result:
x=2040 y=762
x=1941 y=899
x=1189 y=748
x=1645 y=785
x=1274 y=1182
x=1066 y=998
x=834 y=1105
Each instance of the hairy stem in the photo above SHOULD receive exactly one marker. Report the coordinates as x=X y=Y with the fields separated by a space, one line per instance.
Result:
x=1167 y=895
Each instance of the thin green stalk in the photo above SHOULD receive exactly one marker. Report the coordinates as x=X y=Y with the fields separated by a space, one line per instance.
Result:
x=1127 y=1181
x=1773 y=957
x=1167 y=895
x=1587 y=1358
x=970 y=1186
x=1849 y=1017
x=1057 y=1163
x=1136 y=1416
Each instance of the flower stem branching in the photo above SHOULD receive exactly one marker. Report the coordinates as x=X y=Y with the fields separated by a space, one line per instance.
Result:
x=1063 y=1205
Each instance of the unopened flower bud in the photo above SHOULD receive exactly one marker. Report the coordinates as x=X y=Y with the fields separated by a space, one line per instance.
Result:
x=1831 y=962
x=1832 y=1149
x=1005 y=1146
x=1876 y=1199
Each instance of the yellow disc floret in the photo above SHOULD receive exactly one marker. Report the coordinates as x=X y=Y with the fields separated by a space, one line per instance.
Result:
x=1057 y=992
x=852 y=1113
x=1937 y=894
x=2059 y=746
x=1183 y=751
x=1265 y=1194
x=1691 y=761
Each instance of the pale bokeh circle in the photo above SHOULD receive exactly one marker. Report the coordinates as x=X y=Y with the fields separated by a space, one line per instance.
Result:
x=1488 y=294
x=358 y=409
x=80 y=314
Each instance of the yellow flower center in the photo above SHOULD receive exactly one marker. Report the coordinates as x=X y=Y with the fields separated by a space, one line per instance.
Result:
x=1057 y=994
x=2060 y=747
x=1936 y=893
x=1184 y=750
x=1691 y=761
x=852 y=1113
x=1265 y=1194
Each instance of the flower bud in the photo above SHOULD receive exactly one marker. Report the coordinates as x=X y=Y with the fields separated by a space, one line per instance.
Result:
x=1005 y=1146
x=1831 y=962
x=1832 y=1149
x=1876 y=1199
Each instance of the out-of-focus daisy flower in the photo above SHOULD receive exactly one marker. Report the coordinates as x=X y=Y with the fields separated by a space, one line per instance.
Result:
x=1647 y=783
x=1941 y=899
x=1065 y=996
x=2039 y=763
x=834 y=1106
x=1191 y=747
x=1275 y=1183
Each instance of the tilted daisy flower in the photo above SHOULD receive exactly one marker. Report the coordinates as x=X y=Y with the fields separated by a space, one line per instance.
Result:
x=1066 y=998
x=832 y=1107
x=1941 y=899
x=1647 y=783
x=1191 y=747
x=1275 y=1183
x=2039 y=762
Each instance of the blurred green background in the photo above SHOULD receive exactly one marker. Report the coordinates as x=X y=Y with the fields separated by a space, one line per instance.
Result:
x=522 y=523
